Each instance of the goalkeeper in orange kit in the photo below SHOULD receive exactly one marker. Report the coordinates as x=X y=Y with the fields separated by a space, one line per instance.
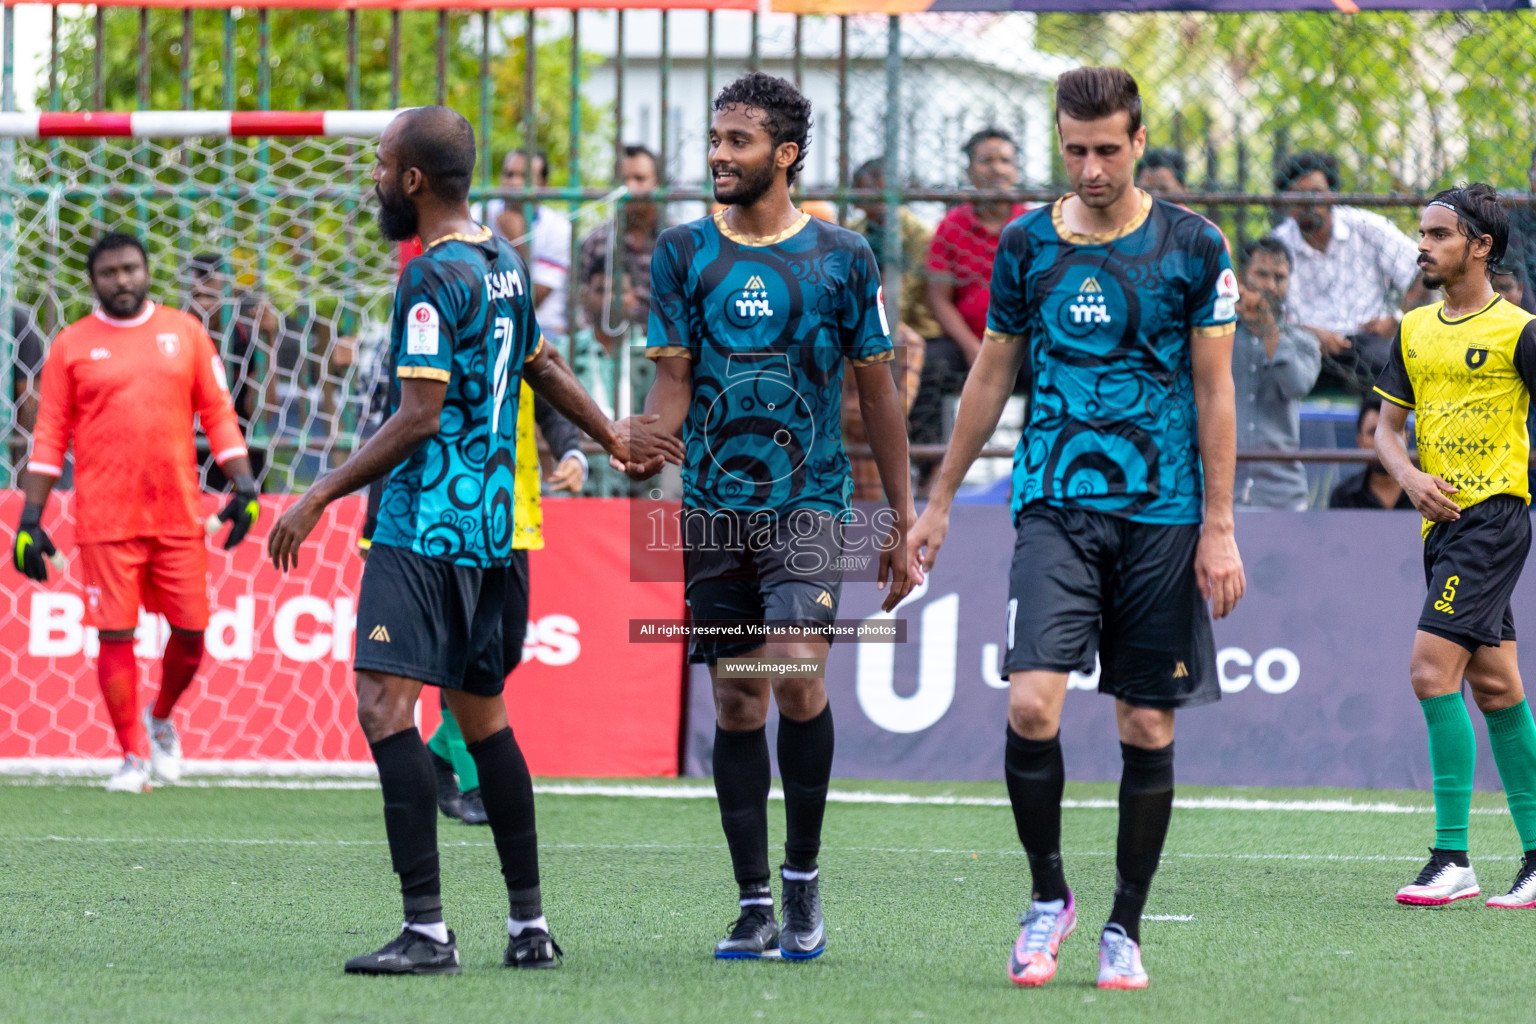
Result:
x=123 y=384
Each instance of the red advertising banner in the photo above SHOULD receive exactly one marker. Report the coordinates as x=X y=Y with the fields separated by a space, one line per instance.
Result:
x=276 y=684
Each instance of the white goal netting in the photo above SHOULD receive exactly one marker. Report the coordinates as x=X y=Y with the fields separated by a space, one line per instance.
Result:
x=272 y=242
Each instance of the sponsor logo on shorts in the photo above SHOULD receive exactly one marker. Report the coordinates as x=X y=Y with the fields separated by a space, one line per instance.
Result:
x=824 y=599
x=1448 y=595
x=380 y=634
x=1180 y=670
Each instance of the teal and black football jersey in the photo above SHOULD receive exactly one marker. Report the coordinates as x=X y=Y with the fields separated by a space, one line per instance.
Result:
x=1108 y=320
x=463 y=314
x=766 y=323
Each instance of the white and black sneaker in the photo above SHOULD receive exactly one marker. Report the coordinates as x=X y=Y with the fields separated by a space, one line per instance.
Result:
x=410 y=952
x=803 y=935
x=1442 y=881
x=754 y=936
x=1521 y=895
x=532 y=949
x=164 y=748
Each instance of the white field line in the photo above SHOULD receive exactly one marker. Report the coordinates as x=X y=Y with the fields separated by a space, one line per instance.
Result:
x=1167 y=917
x=655 y=847
x=694 y=792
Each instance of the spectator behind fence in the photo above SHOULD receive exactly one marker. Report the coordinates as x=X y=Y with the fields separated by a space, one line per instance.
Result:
x=960 y=278
x=245 y=330
x=1162 y=172
x=642 y=222
x=27 y=336
x=912 y=259
x=1274 y=365
x=1346 y=264
x=1373 y=486
x=1521 y=256
x=1509 y=281
x=548 y=247
x=612 y=369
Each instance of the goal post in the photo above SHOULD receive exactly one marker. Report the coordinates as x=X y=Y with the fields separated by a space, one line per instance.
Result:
x=258 y=222
x=261 y=224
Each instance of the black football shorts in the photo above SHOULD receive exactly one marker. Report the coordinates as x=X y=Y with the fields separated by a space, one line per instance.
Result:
x=1085 y=582
x=760 y=569
x=1471 y=567
x=435 y=621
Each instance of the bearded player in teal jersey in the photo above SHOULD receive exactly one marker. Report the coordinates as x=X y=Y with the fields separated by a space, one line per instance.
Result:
x=430 y=610
x=753 y=313
x=1122 y=494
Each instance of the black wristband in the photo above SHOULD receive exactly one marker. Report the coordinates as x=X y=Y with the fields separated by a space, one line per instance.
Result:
x=31 y=515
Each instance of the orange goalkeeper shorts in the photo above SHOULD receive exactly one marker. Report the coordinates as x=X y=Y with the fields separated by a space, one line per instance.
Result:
x=168 y=575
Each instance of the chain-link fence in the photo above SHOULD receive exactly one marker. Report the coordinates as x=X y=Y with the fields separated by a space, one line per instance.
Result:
x=273 y=240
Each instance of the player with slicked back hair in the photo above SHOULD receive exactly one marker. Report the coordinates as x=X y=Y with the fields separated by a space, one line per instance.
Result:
x=1466 y=367
x=432 y=603
x=1125 y=305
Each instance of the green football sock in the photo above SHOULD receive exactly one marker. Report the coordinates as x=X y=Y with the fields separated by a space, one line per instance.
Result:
x=1452 y=755
x=448 y=743
x=1513 y=736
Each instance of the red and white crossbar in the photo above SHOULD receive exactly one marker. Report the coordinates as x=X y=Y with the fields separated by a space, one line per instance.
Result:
x=190 y=123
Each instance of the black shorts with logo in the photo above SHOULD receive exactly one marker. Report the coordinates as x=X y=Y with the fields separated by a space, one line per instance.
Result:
x=769 y=568
x=1471 y=567
x=1084 y=582
x=435 y=621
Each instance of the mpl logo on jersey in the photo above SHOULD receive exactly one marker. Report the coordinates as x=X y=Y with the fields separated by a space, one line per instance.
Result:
x=1089 y=308
x=750 y=305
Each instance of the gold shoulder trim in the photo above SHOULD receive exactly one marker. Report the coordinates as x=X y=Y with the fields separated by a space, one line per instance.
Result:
x=536 y=350
x=424 y=373
x=1079 y=238
x=741 y=239
x=663 y=351
x=1213 y=331
x=881 y=357
x=1001 y=338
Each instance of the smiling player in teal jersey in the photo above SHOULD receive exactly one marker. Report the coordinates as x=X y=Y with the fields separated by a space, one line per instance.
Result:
x=753 y=313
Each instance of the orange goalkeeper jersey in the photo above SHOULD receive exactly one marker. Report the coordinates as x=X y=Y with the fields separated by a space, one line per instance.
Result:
x=125 y=392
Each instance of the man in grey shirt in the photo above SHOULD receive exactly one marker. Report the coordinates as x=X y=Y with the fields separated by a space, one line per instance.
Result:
x=1274 y=365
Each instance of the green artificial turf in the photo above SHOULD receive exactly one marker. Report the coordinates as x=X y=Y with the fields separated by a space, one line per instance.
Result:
x=240 y=904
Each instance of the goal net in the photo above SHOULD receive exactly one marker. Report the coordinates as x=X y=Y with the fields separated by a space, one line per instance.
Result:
x=270 y=239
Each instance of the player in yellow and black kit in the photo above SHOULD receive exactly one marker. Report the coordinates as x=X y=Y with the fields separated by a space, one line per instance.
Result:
x=1467 y=369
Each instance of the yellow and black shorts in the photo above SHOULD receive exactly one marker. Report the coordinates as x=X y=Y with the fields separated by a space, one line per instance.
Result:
x=1471 y=567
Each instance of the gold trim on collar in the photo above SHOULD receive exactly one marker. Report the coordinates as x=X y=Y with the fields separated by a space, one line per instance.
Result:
x=1076 y=238
x=483 y=235
x=741 y=239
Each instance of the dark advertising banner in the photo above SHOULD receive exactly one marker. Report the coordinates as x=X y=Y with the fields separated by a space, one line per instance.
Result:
x=1314 y=667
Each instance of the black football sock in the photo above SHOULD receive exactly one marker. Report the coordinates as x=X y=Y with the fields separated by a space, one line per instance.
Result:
x=805 y=765
x=1036 y=775
x=1146 y=805
x=507 y=790
x=741 y=783
x=410 y=822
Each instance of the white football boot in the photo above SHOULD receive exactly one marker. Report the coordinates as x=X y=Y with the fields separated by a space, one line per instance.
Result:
x=164 y=748
x=132 y=777
x=1440 y=882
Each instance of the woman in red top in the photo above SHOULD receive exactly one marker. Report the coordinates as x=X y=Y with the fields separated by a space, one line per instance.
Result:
x=960 y=277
